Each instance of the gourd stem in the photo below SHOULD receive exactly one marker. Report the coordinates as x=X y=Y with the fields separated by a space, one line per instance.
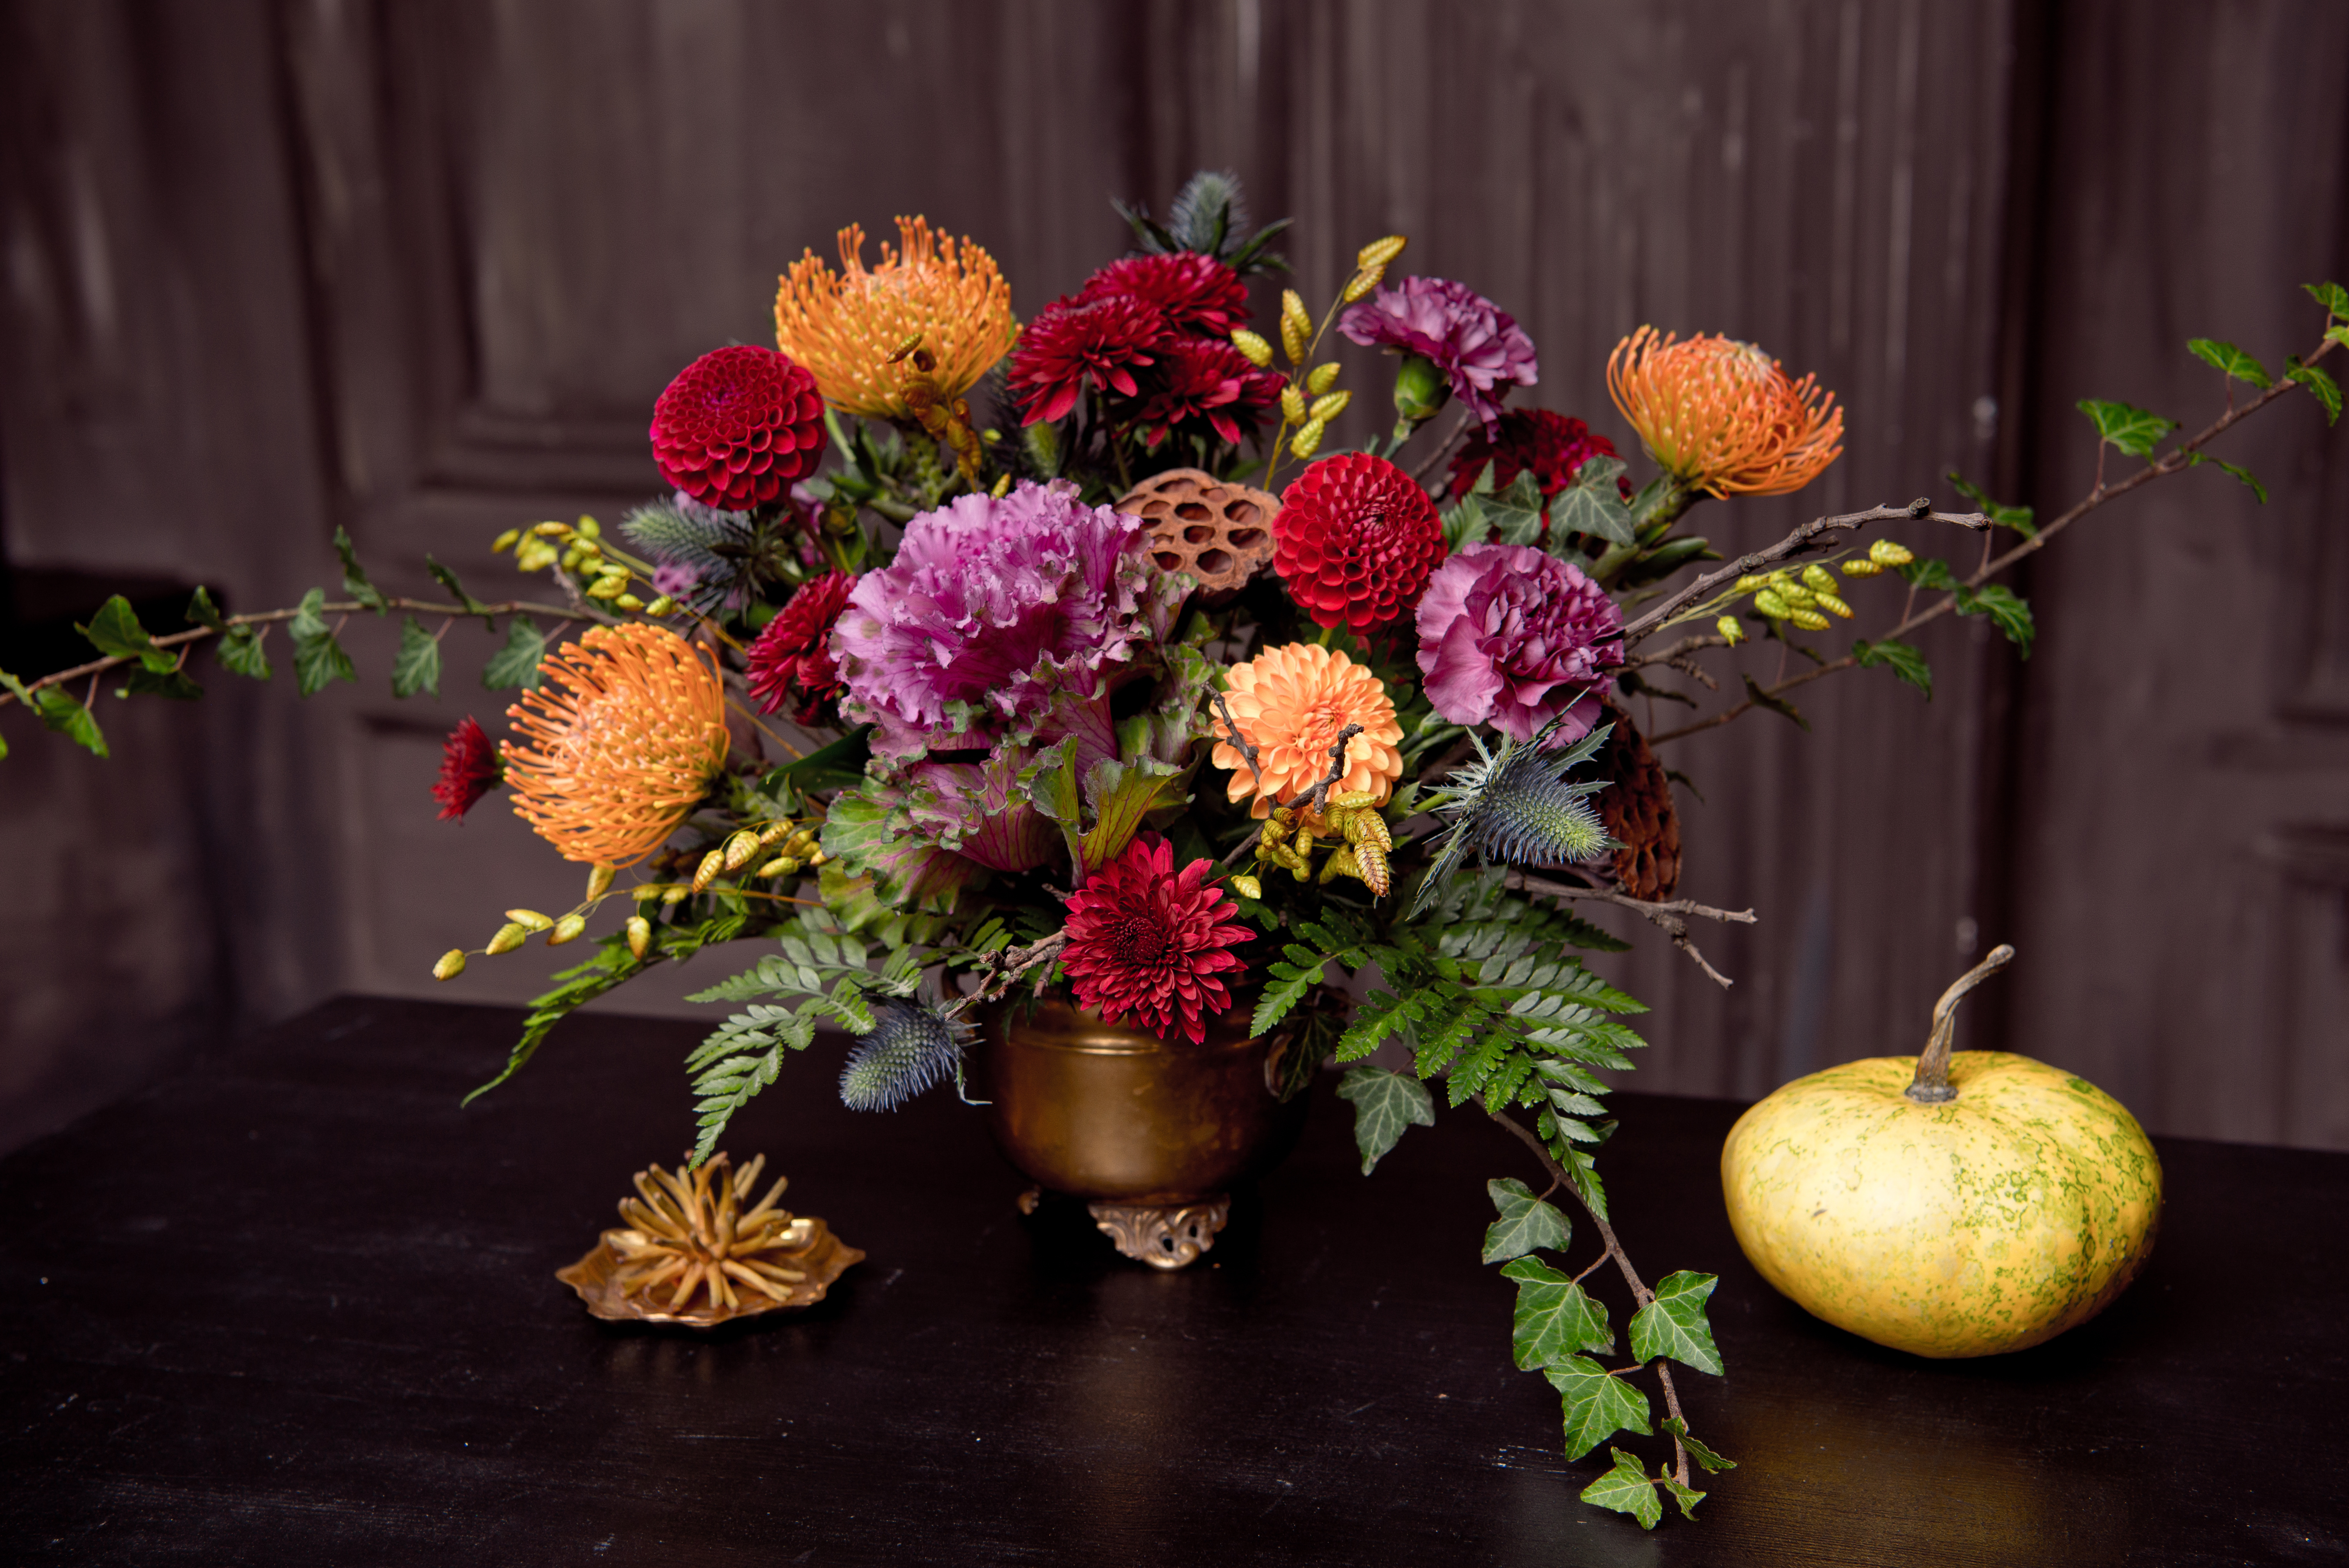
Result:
x=1932 y=1085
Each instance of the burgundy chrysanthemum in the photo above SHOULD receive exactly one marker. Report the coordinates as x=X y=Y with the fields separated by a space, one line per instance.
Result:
x=794 y=651
x=1203 y=384
x=1477 y=345
x=1106 y=339
x=738 y=426
x=1143 y=941
x=1355 y=539
x=1553 y=446
x=1196 y=294
x=1513 y=637
x=470 y=769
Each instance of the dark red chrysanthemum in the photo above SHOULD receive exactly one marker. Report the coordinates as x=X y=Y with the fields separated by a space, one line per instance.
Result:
x=1107 y=339
x=1196 y=294
x=1203 y=384
x=470 y=769
x=794 y=652
x=1143 y=941
x=739 y=427
x=1553 y=446
x=1356 y=540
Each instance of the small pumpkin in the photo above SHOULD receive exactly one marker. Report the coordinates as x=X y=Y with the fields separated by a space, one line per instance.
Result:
x=1946 y=1204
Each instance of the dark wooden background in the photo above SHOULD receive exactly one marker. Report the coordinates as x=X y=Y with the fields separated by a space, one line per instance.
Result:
x=420 y=268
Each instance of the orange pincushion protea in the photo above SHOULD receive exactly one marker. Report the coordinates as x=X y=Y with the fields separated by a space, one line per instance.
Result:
x=844 y=326
x=1721 y=417
x=624 y=750
x=1290 y=702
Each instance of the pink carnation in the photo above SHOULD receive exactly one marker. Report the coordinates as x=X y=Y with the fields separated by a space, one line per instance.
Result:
x=1478 y=346
x=1512 y=637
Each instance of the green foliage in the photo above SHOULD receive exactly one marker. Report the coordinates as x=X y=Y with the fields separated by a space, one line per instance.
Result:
x=240 y=653
x=1556 y=1318
x=470 y=606
x=1697 y=1451
x=612 y=965
x=1626 y=1489
x=1465 y=522
x=202 y=611
x=60 y=711
x=516 y=665
x=1687 y=1497
x=1386 y=1104
x=1898 y=656
x=1597 y=1406
x=2131 y=429
x=2320 y=386
x=2236 y=471
x=319 y=658
x=417 y=666
x=115 y=631
x=146 y=681
x=2332 y=296
x=1526 y=1224
x=1675 y=1323
x=1516 y=513
x=2006 y=609
x=1926 y=573
x=1300 y=968
x=2230 y=361
x=354 y=577
x=1592 y=504
x=2021 y=519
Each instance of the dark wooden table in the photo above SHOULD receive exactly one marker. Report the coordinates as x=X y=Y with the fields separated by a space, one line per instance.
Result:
x=299 y=1309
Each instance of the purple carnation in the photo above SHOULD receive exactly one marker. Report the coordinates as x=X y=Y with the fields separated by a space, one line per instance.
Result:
x=1510 y=636
x=1478 y=346
x=994 y=613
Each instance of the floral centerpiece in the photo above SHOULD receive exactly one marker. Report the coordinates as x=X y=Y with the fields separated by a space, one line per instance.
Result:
x=1134 y=692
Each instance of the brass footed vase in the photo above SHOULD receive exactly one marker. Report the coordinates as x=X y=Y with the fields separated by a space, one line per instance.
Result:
x=1154 y=1134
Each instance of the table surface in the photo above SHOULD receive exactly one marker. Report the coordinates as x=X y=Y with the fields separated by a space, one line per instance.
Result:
x=299 y=1307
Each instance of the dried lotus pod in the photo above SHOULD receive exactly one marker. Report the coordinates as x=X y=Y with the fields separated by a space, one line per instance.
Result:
x=1220 y=533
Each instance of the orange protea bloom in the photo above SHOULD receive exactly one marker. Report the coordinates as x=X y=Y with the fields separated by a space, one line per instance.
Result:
x=1721 y=417
x=845 y=327
x=1290 y=702
x=625 y=749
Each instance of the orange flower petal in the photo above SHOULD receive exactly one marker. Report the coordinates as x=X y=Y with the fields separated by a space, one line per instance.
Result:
x=1290 y=703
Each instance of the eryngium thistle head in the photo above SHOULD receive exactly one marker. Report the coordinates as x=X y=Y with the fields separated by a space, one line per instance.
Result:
x=912 y=1046
x=1515 y=806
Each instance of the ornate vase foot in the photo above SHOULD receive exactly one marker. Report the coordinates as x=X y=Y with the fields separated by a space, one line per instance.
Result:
x=1163 y=1235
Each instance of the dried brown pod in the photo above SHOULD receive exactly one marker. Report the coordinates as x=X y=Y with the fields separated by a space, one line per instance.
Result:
x=697 y=1251
x=1220 y=533
x=1636 y=808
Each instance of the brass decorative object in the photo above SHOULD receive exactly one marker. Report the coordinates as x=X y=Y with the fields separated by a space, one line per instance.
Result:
x=1163 y=1237
x=1156 y=1135
x=696 y=1234
x=1220 y=533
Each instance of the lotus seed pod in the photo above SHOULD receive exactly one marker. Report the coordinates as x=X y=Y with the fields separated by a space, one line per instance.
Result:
x=1380 y=252
x=1329 y=406
x=1245 y=886
x=1308 y=439
x=661 y=606
x=1809 y=620
x=707 y=873
x=503 y=542
x=1292 y=404
x=1862 y=567
x=674 y=894
x=1884 y=552
x=739 y=849
x=511 y=935
x=1321 y=379
x=567 y=929
x=1819 y=579
x=640 y=935
x=1253 y=346
x=451 y=964
x=1731 y=632
x=599 y=881
x=530 y=919
x=1833 y=606
x=1770 y=604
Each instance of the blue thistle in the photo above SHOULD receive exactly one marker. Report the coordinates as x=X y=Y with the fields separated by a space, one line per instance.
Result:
x=1517 y=807
x=912 y=1046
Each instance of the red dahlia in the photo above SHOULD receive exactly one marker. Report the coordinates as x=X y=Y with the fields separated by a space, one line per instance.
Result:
x=1203 y=383
x=468 y=770
x=739 y=427
x=1143 y=941
x=1195 y=294
x=1553 y=446
x=1356 y=540
x=794 y=652
x=1106 y=339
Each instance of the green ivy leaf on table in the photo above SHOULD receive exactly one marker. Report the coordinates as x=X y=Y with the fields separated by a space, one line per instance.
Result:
x=1704 y=1456
x=1674 y=1326
x=1386 y=1105
x=1597 y=1406
x=1556 y=1318
x=1626 y=1489
x=1526 y=1222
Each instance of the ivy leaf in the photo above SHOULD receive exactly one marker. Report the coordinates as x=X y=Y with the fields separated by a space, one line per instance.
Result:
x=417 y=666
x=448 y=579
x=115 y=631
x=2243 y=474
x=2320 y=386
x=1697 y=1451
x=516 y=665
x=354 y=577
x=1898 y=656
x=240 y=653
x=2130 y=429
x=2332 y=296
x=1597 y=1406
x=1517 y=512
x=317 y=657
x=2018 y=517
x=1385 y=1105
x=1688 y=1497
x=1777 y=704
x=202 y=611
x=70 y=718
x=2006 y=609
x=1626 y=1489
x=2230 y=361
x=1673 y=1324
x=1526 y=1222
x=1592 y=504
x=1555 y=1317
x=171 y=681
